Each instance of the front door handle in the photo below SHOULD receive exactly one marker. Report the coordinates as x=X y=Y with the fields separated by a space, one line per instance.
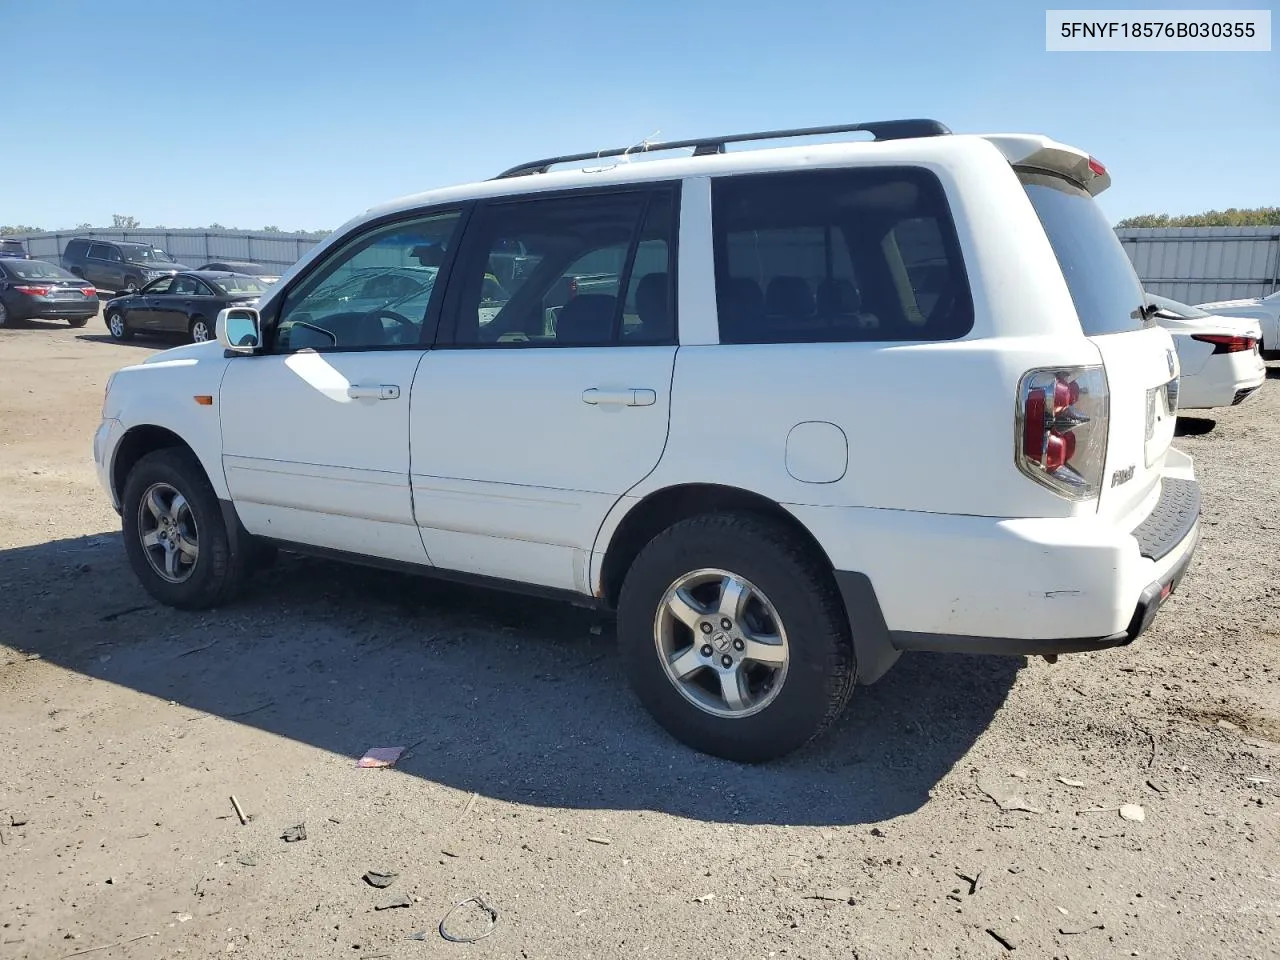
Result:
x=629 y=397
x=377 y=391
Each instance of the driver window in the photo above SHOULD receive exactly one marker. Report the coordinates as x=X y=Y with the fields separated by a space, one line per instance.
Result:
x=374 y=291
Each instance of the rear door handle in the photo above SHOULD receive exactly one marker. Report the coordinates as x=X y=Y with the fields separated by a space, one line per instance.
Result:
x=629 y=397
x=377 y=391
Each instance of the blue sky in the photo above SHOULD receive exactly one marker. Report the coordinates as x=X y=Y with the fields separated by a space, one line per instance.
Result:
x=254 y=113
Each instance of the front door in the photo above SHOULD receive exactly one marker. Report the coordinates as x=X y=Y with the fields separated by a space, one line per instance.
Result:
x=549 y=396
x=146 y=315
x=316 y=429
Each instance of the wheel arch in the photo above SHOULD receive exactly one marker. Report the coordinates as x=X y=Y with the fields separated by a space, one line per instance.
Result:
x=873 y=646
x=661 y=508
x=136 y=443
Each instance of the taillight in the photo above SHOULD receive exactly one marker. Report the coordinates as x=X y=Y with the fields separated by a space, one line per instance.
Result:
x=1224 y=343
x=1062 y=429
x=33 y=291
x=1096 y=167
x=89 y=291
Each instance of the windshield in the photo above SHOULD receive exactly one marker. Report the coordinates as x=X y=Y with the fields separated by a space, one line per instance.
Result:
x=38 y=270
x=234 y=286
x=1106 y=291
x=1176 y=308
x=148 y=253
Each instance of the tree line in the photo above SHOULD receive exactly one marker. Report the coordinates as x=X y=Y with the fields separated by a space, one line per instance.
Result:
x=1231 y=217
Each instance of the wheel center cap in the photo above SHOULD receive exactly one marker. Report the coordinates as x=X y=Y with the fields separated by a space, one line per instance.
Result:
x=721 y=641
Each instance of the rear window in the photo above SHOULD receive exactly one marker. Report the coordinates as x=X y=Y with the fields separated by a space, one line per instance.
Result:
x=837 y=255
x=39 y=270
x=1106 y=291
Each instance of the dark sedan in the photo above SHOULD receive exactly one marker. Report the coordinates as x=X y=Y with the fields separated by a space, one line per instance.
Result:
x=35 y=290
x=186 y=303
x=265 y=274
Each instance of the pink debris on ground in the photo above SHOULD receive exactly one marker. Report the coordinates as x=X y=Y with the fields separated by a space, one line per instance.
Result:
x=380 y=757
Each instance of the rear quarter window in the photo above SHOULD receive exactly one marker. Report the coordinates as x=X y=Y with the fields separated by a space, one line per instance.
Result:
x=866 y=254
x=1107 y=293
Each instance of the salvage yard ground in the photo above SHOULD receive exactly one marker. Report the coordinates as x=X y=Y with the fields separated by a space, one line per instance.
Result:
x=534 y=780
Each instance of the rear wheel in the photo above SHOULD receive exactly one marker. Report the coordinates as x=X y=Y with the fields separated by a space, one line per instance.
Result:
x=174 y=534
x=78 y=321
x=117 y=327
x=734 y=638
x=200 y=330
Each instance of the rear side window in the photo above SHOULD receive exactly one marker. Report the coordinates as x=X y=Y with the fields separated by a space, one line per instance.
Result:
x=1106 y=291
x=838 y=255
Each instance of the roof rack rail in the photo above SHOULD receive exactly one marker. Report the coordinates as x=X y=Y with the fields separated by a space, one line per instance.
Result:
x=705 y=146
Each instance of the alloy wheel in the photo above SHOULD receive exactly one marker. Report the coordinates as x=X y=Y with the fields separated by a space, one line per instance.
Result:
x=721 y=643
x=167 y=529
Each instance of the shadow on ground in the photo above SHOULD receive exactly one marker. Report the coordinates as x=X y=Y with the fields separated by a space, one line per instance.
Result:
x=152 y=342
x=515 y=698
x=1193 y=426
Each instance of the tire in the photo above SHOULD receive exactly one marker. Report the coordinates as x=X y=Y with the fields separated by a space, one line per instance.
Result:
x=5 y=319
x=131 y=285
x=200 y=331
x=117 y=327
x=213 y=575
x=808 y=683
x=78 y=321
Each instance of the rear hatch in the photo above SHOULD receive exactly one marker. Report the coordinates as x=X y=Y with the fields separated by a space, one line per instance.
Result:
x=1138 y=356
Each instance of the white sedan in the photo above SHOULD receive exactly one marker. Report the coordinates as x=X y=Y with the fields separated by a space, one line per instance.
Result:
x=1266 y=310
x=1219 y=356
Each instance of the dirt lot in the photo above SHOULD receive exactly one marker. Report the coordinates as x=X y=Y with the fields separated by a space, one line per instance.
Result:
x=535 y=781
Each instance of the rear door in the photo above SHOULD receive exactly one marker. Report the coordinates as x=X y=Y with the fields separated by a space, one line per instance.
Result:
x=1139 y=357
x=103 y=267
x=544 y=405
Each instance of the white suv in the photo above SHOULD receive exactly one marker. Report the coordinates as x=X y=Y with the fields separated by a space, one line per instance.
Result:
x=790 y=411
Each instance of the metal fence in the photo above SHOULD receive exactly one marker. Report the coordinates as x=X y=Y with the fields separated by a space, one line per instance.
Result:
x=192 y=247
x=1200 y=264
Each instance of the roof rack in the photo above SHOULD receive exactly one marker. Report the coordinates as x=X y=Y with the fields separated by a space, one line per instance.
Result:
x=705 y=146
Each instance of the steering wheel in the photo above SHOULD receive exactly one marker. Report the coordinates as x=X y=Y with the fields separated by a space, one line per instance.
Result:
x=406 y=325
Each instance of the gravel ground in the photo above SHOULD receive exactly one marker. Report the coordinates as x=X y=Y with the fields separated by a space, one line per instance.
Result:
x=962 y=808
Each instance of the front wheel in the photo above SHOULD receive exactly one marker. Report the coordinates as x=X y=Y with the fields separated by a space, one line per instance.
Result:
x=174 y=533
x=131 y=286
x=734 y=637
x=4 y=315
x=116 y=326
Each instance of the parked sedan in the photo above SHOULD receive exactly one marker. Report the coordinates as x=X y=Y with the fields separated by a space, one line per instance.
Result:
x=1266 y=310
x=186 y=302
x=266 y=274
x=34 y=289
x=1219 y=356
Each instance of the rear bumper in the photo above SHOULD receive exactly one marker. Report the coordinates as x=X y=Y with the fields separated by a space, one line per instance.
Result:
x=29 y=308
x=962 y=584
x=1225 y=380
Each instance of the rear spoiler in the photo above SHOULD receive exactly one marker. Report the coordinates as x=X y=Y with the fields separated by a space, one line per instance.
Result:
x=1040 y=153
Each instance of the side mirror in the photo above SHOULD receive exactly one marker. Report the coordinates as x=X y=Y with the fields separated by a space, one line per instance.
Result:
x=239 y=329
